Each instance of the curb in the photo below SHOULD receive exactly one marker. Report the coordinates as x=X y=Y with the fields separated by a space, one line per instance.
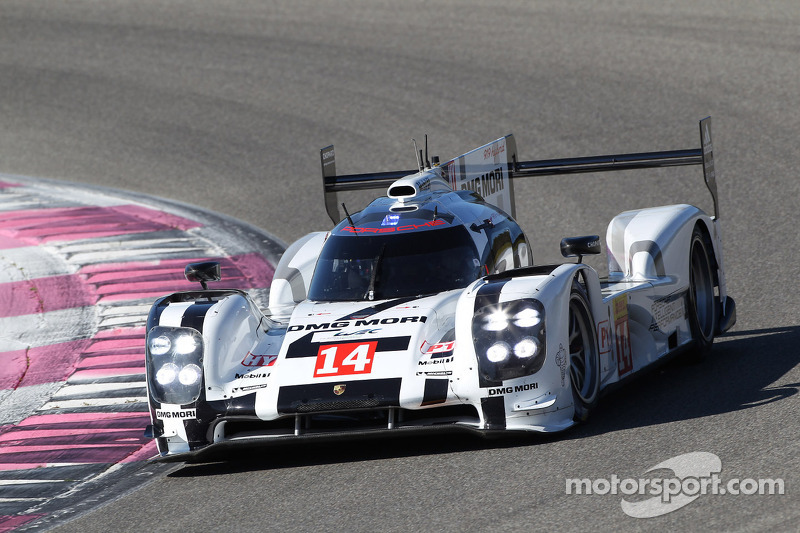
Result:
x=79 y=268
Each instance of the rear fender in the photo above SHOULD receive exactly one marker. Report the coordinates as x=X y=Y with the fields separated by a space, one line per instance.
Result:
x=653 y=244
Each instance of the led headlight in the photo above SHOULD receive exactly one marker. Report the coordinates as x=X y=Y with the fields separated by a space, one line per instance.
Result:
x=495 y=321
x=498 y=352
x=175 y=364
x=527 y=347
x=509 y=339
x=185 y=344
x=167 y=374
x=190 y=375
x=527 y=317
x=159 y=345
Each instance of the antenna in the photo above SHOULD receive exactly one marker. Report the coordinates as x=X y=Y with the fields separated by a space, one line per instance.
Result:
x=418 y=153
x=350 y=220
x=427 y=161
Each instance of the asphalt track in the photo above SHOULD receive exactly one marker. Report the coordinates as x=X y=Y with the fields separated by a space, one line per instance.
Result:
x=224 y=105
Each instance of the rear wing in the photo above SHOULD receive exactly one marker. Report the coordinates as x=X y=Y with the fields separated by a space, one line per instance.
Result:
x=490 y=170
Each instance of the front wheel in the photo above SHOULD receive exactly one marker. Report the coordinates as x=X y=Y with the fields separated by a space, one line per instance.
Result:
x=584 y=358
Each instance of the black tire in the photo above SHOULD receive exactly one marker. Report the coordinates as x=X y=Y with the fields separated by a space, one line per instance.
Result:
x=584 y=356
x=702 y=297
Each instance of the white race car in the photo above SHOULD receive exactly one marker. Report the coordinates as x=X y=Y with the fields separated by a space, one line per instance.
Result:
x=425 y=312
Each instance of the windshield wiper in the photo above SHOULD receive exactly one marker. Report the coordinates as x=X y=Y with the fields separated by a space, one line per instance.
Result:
x=376 y=264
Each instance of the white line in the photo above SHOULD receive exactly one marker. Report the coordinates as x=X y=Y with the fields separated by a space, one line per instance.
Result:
x=107 y=256
x=92 y=402
x=94 y=388
x=118 y=322
x=91 y=245
x=44 y=329
x=31 y=262
x=92 y=376
x=109 y=310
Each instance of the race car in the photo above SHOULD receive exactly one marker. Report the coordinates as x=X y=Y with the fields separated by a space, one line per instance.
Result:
x=425 y=312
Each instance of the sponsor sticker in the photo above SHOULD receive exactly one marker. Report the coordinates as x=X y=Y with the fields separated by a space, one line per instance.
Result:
x=604 y=337
x=433 y=361
x=622 y=335
x=500 y=391
x=436 y=373
x=441 y=347
x=668 y=313
x=365 y=323
x=252 y=359
x=178 y=414
x=251 y=376
x=249 y=388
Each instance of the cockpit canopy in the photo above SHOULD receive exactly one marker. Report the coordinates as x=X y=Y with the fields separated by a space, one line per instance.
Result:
x=379 y=266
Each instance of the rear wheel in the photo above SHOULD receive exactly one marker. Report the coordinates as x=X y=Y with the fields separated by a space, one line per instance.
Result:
x=584 y=359
x=702 y=299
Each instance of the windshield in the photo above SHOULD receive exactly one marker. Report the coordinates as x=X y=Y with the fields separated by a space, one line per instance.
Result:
x=377 y=267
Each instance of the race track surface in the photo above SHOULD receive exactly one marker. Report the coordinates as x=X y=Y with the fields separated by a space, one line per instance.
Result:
x=224 y=105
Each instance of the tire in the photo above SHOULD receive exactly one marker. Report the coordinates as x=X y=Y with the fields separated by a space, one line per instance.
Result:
x=584 y=357
x=702 y=298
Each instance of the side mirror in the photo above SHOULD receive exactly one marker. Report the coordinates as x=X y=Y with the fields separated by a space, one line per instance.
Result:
x=580 y=246
x=203 y=272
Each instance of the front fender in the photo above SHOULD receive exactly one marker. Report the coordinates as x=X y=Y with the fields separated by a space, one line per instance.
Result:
x=549 y=385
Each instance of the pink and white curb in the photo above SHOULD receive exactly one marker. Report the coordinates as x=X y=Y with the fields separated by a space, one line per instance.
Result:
x=79 y=269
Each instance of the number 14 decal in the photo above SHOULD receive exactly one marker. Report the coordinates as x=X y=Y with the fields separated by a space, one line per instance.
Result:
x=345 y=359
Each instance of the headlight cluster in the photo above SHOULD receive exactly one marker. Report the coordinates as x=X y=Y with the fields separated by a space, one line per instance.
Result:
x=509 y=339
x=175 y=364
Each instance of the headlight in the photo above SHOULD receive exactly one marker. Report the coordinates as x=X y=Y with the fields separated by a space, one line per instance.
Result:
x=509 y=340
x=175 y=364
x=167 y=374
x=190 y=375
x=498 y=352
x=159 y=345
x=185 y=344
x=527 y=347
x=527 y=317
x=497 y=320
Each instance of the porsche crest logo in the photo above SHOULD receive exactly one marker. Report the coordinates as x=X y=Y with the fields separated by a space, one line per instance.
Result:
x=339 y=389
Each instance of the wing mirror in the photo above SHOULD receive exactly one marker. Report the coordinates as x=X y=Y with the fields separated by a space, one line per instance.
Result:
x=203 y=272
x=580 y=246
